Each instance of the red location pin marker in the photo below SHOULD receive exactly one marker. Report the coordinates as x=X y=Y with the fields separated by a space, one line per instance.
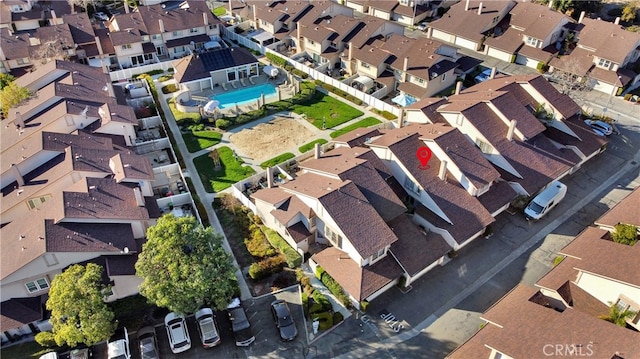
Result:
x=424 y=155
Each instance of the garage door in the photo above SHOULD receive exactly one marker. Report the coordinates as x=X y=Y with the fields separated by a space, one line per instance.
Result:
x=440 y=35
x=499 y=54
x=467 y=44
x=523 y=60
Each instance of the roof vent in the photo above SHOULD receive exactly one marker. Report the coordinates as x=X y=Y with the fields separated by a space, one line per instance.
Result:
x=22 y=236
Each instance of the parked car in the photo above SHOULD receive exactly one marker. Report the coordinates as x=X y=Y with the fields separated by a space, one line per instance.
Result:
x=147 y=343
x=179 y=339
x=119 y=348
x=283 y=320
x=422 y=26
x=101 y=16
x=240 y=325
x=207 y=328
x=483 y=76
x=50 y=355
x=545 y=200
x=80 y=353
x=600 y=128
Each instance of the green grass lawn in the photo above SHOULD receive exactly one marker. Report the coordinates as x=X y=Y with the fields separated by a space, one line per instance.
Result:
x=231 y=170
x=24 y=350
x=180 y=116
x=365 y=122
x=278 y=159
x=324 y=107
x=308 y=146
x=198 y=140
x=219 y=11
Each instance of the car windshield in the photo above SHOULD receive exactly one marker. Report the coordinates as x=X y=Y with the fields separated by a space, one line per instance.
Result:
x=536 y=208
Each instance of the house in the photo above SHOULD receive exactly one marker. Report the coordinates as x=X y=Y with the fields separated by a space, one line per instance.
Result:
x=403 y=12
x=213 y=67
x=26 y=15
x=469 y=23
x=502 y=117
x=605 y=52
x=531 y=36
x=563 y=313
x=14 y=51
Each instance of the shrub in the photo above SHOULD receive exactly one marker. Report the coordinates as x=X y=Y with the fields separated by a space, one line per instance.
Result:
x=625 y=234
x=322 y=299
x=169 y=88
x=266 y=267
x=319 y=272
x=305 y=303
x=45 y=339
x=333 y=286
x=337 y=318
x=300 y=73
x=223 y=124
x=275 y=59
x=292 y=257
x=364 y=305
x=258 y=245
x=278 y=159
x=315 y=308
x=325 y=319
x=558 y=260
x=164 y=78
x=386 y=114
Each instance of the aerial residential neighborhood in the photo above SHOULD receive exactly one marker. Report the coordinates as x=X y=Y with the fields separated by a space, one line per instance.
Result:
x=319 y=179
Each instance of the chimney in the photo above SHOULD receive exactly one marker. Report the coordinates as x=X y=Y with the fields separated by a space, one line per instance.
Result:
x=493 y=73
x=581 y=17
x=19 y=122
x=401 y=118
x=480 y=9
x=270 y=177
x=17 y=175
x=458 y=87
x=466 y=6
x=550 y=4
x=512 y=129
x=316 y=151
x=126 y=7
x=617 y=21
x=205 y=18
x=405 y=66
x=442 y=173
x=350 y=51
x=160 y=23
x=255 y=17
x=298 y=38
x=231 y=7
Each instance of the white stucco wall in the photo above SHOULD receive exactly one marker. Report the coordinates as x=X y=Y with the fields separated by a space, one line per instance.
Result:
x=605 y=289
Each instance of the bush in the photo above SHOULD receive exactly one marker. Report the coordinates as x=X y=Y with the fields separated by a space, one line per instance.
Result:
x=164 y=78
x=258 y=245
x=325 y=319
x=284 y=279
x=305 y=303
x=278 y=159
x=363 y=305
x=337 y=318
x=386 y=114
x=315 y=308
x=169 y=88
x=275 y=59
x=45 y=339
x=319 y=272
x=266 y=267
x=321 y=299
x=625 y=234
x=333 y=286
x=292 y=257
x=223 y=124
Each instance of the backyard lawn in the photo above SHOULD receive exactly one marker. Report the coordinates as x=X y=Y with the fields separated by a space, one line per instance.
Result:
x=325 y=108
x=230 y=172
x=24 y=350
x=308 y=146
x=198 y=140
x=219 y=11
x=366 y=122
x=181 y=116
x=278 y=159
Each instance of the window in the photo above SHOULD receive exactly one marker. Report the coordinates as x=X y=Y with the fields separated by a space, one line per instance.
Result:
x=176 y=33
x=148 y=57
x=193 y=30
x=365 y=65
x=264 y=23
x=33 y=203
x=213 y=27
x=145 y=38
x=37 y=285
x=155 y=37
x=312 y=222
x=126 y=47
x=408 y=184
x=532 y=41
x=377 y=255
x=21 y=61
x=333 y=237
x=484 y=147
x=178 y=49
x=604 y=63
x=420 y=81
x=444 y=76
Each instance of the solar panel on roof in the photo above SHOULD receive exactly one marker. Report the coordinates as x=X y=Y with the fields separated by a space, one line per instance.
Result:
x=216 y=60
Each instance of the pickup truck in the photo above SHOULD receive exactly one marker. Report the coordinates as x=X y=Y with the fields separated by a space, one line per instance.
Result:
x=207 y=328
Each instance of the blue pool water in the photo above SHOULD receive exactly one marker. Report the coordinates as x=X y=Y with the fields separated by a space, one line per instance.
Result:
x=244 y=95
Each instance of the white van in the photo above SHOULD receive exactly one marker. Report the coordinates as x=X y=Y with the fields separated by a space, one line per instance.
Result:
x=545 y=200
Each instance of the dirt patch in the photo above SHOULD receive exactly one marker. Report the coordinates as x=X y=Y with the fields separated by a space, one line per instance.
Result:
x=270 y=139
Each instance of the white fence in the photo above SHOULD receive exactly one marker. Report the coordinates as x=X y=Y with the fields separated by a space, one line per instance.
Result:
x=126 y=74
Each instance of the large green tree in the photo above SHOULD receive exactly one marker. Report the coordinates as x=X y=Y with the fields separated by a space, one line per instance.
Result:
x=183 y=266
x=12 y=95
x=78 y=311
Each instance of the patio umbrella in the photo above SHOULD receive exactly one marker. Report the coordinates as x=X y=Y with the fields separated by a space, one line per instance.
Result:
x=403 y=100
x=211 y=105
x=270 y=71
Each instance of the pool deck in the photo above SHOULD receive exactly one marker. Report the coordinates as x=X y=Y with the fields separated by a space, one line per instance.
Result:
x=280 y=82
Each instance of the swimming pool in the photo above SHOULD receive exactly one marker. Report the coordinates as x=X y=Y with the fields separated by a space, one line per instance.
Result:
x=244 y=95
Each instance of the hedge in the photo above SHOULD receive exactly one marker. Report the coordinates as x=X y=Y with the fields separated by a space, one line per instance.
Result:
x=266 y=267
x=321 y=299
x=333 y=286
x=292 y=257
x=386 y=114
x=223 y=124
x=257 y=245
x=308 y=146
x=275 y=59
x=337 y=318
x=339 y=92
x=325 y=319
x=170 y=88
x=278 y=159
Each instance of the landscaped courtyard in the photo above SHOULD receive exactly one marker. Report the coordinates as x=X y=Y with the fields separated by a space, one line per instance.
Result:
x=231 y=169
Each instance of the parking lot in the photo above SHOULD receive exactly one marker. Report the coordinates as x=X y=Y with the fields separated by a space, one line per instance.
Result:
x=267 y=344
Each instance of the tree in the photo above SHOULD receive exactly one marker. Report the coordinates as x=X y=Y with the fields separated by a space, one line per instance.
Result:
x=618 y=316
x=183 y=266
x=78 y=311
x=12 y=95
x=5 y=80
x=625 y=234
x=571 y=79
x=629 y=11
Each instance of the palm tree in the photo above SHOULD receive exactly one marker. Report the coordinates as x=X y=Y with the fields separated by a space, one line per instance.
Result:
x=618 y=316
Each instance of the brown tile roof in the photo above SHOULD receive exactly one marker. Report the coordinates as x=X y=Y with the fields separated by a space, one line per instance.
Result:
x=383 y=5
x=468 y=24
x=510 y=40
x=416 y=249
x=357 y=219
x=376 y=162
x=563 y=103
x=335 y=161
x=289 y=209
x=17 y=312
x=14 y=46
x=132 y=20
x=611 y=77
x=357 y=137
x=359 y=282
x=80 y=27
x=604 y=257
x=557 y=276
x=274 y=195
x=578 y=62
x=541 y=54
x=610 y=41
x=5 y=15
x=537 y=20
x=588 y=141
x=313 y=185
x=498 y=195
x=125 y=37
x=626 y=211
x=370 y=54
x=584 y=302
x=299 y=232
x=105 y=41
